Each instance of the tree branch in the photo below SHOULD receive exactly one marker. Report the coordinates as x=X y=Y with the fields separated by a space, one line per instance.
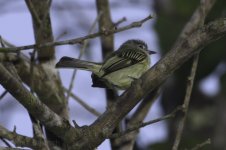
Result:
x=77 y=40
x=33 y=12
x=86 y=106
x=127 y=142
x=20 y=140
x=7 y=148
x=141 y=125
x=197 y=20
x=6 y=142
x=198 y=146
x=80 y=56
x=40 y=111
x=190 y=83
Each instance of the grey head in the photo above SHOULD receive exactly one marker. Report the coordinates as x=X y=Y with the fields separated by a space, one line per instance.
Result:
x=137 y=44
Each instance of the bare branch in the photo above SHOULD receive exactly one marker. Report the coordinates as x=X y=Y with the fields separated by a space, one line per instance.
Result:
x=198 y=146
x=141 y=125
x=3 y=94
x=7 y=148
x=191 y=79
x=196 y=21
x=127 y=141
x=86 y=106
x=80 y=55
x=6 y=142
x=33 y=12
x=19 y=140
x=52 y=121
x=5 y=43
x=116 y=24
x=77 y=40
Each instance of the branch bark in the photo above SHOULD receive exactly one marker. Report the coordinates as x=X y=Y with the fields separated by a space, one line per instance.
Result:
x=20 y=140
x=35 y=107
x=127 y=141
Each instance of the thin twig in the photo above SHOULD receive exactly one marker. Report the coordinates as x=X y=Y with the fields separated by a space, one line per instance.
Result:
x=32 y=63
x=186 y=102
x=138 y=126
x=77 y=40
x=1 y=42
x=116 y=24
x=7 y=148
x=198 y=146
x=3 y=94
x=61 y=35
x=5 y=43
x=85 y=105
x=80 y=55
x=6 y=142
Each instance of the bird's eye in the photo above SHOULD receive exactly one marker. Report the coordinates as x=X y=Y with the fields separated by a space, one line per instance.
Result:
x=141 y=46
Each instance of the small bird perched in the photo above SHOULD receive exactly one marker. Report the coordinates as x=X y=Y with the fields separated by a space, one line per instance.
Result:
x=118 y=70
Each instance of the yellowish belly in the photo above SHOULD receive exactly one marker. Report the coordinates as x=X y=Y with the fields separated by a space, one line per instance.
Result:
x=123 y=78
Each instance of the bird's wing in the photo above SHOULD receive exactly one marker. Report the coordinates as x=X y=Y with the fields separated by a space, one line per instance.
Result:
x=121 y=59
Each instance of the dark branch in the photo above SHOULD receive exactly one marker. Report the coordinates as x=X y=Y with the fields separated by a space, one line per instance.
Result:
x=35 y=107
x=141 y=125
x=199 y=146
x=189 y=88
x=86 y=106
x=19 y=140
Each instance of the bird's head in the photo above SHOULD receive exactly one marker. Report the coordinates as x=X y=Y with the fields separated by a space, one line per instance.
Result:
x=138 y=44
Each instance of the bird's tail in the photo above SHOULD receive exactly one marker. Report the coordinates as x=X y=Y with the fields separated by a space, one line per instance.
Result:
x=68 y=62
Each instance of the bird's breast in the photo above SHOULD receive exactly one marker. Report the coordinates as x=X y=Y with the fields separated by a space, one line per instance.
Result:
x=123 y=78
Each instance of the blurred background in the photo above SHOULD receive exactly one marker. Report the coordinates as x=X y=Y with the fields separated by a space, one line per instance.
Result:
x=72 y=19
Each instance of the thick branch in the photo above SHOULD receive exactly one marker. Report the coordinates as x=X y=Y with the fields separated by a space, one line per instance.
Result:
x=127 y=142
x=35 y=107
x=196 y=21
x=42 y=27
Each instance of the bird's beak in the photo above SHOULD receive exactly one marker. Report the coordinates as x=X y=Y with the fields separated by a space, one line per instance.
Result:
x=151 y=52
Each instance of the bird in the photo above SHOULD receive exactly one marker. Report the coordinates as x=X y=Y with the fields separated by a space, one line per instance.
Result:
x=119 y=69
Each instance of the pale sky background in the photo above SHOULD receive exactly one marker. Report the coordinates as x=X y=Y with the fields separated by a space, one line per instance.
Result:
x=16 y=27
